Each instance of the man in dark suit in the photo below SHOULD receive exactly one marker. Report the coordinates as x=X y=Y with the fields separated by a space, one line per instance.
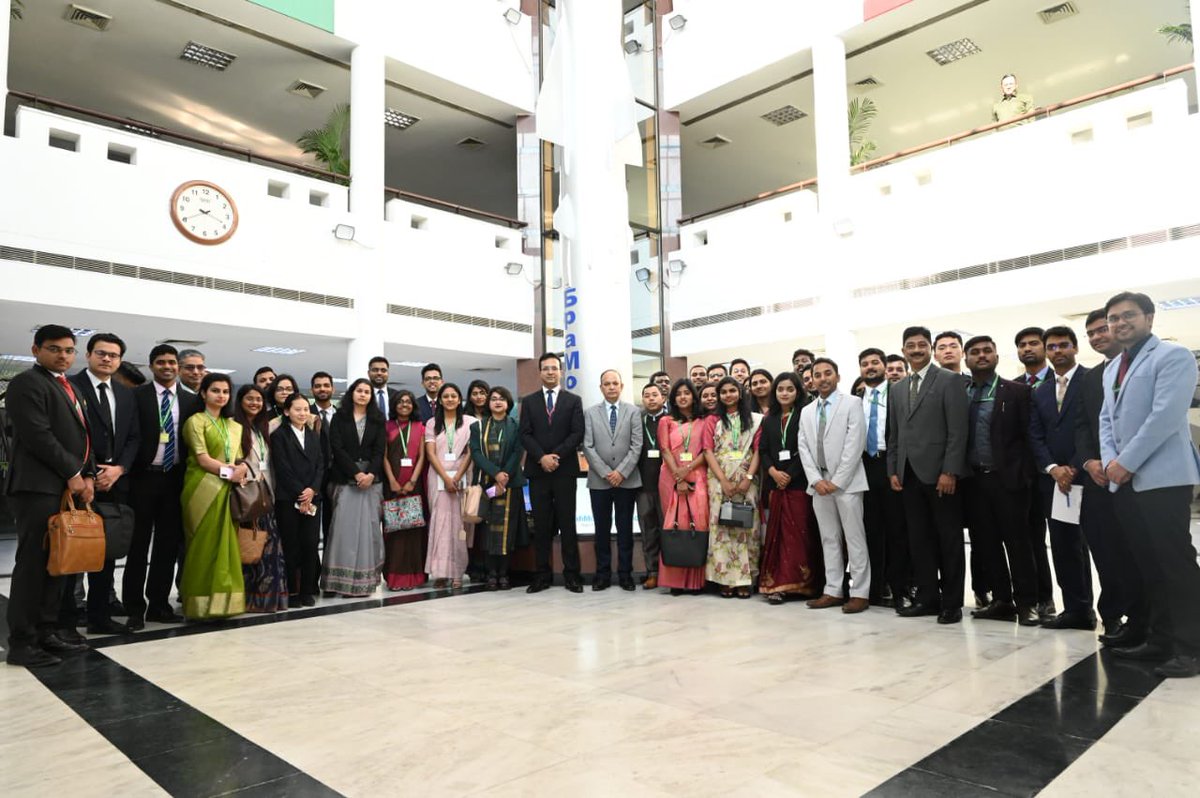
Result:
x=115 y=438
x=431 y=381
x=649 y=505
x=383 y=396
x=997 y=492
x=552 y=430
x=1121 y=591
x=1031 y=351
x=322 y=410
x=1056 y=409
x=51 y=453
x=927 y=448
x=155 y=489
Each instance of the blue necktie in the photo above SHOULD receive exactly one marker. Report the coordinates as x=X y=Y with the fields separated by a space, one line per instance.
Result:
x=382 y=398
x=873 y=425
x=550 y=403
x=164 y=412
x=612 y=419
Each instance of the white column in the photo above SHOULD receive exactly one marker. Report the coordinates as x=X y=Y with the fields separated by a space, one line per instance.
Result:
x=829 y=120
x=366 y=204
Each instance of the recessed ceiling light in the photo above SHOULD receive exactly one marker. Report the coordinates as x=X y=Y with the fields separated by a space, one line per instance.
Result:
x=953 y=51
x=677 y=22
x=399 y=119
x=1181 y=302
x=134 y=126
x=306 y=89
x=207 y=56
x=782 y=116
x=412 y=364
x=279 y=350
x=342 y=380
x=212 y=370
x=88 y=18
x=485 y=370
x=20 y=358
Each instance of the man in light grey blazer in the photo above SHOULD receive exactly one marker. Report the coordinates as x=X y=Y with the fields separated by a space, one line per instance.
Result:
x=612 y=442
x=832 y=435
x=1152 y=468
x=927 y=453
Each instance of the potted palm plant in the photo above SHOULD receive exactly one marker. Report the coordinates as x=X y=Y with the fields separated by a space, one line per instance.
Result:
x=330 y=142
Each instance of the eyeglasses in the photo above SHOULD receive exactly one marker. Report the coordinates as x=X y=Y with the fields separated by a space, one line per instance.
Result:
x=1059 y=347
x=193 y=367
x=60 y=350
x=106 y=355
x=1128 y=315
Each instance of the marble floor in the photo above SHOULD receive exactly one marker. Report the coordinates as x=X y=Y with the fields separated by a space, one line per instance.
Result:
x=613 y=693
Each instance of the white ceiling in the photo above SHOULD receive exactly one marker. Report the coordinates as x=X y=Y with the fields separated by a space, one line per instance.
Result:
x=1109 y=42
x=133 y=70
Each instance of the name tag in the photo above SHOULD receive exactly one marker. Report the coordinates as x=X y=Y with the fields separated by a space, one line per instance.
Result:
x=652 y=454
x=686 y=457
x=450 y=457
x=784 y=456
x=736 y=455
x=406 y=462
x=164 y=437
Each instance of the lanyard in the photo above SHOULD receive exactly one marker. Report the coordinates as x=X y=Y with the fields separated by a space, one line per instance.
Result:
x=164 y=420
x=783 y=428
x=260 y=446
x=650 y=435
x=450 y=430
x=989 y=395
x=221 y=426
x=687 y=438
x=404 y=431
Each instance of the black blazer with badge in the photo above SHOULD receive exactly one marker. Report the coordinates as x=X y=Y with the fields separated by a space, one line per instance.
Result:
x=122 y=447
x=145 y=399
x=1013 y=458
x=297 y=468
x=50 y=440
x=561 y=435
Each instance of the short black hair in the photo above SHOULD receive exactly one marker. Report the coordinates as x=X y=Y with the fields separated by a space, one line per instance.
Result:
x=800 y=352
x=764 y=372
x=105 y=338
x=720 y=366
x=261 y=370
x=978 y=339
x=807 y=368
x=131 y=373
x=653 y=376
x=428 y=367
x=737 y=360
x=949 y=334
x=503 y=393
x=52 y=332
x=896 y=359
x=1095 y=316
x=317 y=375
x=1025 y=333
x=1061 y=331
x=917 y=329
x=830 y=361
x=378 y=359
x=650 y=385
x=163 y=349
x=1141 y=300
x=292 y=399
x=403 y=393
x=866 y=353
x=545 y=356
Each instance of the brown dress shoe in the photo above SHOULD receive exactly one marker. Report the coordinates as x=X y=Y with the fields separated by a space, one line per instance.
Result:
x=855 y=605
x=824 y=602
x=651 y=582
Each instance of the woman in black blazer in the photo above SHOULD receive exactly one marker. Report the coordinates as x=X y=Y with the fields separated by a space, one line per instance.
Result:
x=299 y=465
x=357 y=441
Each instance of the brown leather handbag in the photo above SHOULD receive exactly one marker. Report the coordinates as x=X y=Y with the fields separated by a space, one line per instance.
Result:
x=251 y=542
x=75 y=538
x=249 y=502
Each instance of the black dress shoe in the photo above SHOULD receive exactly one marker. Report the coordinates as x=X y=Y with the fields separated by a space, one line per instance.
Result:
x=1123 y=636
x=1046 y=610
x=308 y=600
x=56 y=645
x=167 y=615
x=504 y=583
x=537 y=586
x=626 y=583
x=294 y=602
x=1071 y=620
x=493 y=583
x=136 y=623
x=600 y=583
x=916 y=610
x=108 y=627
x=1180 y=666
x=116 y=609
x=574 y=587
x=1148 y=652
x=31 y=657
x=982 y=600
x=996 y=611
x=1027 y=616
x=70 y=636
x=950 y=616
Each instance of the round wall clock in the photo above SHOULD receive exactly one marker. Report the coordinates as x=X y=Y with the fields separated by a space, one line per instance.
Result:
x=204 y=212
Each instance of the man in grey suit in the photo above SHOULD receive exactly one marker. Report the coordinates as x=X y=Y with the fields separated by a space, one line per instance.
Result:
x=927 y=447
x=612 y=442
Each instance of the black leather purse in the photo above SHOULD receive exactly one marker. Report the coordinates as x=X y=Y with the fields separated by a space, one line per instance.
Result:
x=118 y=528
x=684 y=548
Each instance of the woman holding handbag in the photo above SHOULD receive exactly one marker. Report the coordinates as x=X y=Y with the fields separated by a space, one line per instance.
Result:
x=299 y=465
x=447 y=442
x=357 y=439
x=731 y=449
x=682 y=484
x=496 y=451
x=404 y=530
x=265 y=580
x=211 y=584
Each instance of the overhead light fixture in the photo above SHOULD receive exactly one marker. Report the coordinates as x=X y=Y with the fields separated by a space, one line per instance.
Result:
x=676 y=266
x=141 y=128
x=485 y=370
x=219 y=371
x=343 y=232
x=1178 y=304
x=207 y=56
x=642 y=275
x=342 y=380
x=279 y=350
x=677 y=22
x=784 y=115
x=953 y=51
x=633 y=46
x=514 y=268
x=20 y=358
x=399 y=119
x=409 y=364
x=513 y=16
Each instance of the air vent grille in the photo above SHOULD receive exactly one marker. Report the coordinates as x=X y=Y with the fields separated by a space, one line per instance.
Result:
x=471 y=143
x=867 y=84
x=715 y=142
x=88 y=18
x=744 y=313
x=1057 y=13
x=303 y=88
x=457 y=318
x=784 y=116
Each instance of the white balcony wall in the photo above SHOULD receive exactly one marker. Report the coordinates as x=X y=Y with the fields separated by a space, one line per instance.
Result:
x=81 y=204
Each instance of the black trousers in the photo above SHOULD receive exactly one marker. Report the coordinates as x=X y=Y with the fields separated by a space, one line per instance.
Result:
x=34 y=595
x=298 y=533
x=1036 y=527
x=887 y=532
x=606 y=503
x=497 y=565
x=1156 y=525
x=935 y=538
x=650 y=519
x=996 y=517
x=1120 y=583
x=1072 y=564
x=154 y=496
x=553 y=500
x=100 y=583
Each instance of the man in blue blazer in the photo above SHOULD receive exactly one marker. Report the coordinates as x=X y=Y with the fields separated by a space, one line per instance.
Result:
x=1056 y=406
x=1153 y=467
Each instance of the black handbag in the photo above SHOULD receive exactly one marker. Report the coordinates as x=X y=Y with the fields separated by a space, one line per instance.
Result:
x=118 y=528
x=737 y=514
x=684 y=548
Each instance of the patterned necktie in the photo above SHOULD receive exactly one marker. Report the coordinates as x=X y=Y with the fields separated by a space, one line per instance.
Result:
x=1062 y=391
x=550 y=403
x=821 y=405
x=914 y=387
x=164 y=414
x=62 y=380
x=873 y=425
x=612 y=419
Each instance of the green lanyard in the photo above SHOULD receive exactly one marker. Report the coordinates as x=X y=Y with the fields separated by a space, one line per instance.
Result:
x=653 y=438
x=165 y=420
x=783 y=428
x=989 y=395
x=687 y=438
x=260 y=446
x=450 y=430
x=223 y=428
x=404 y=430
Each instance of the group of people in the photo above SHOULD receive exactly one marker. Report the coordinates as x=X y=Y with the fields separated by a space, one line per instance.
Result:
x=790 y=487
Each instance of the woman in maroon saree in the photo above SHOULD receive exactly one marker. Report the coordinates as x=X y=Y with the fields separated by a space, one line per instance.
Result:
x=404 y=562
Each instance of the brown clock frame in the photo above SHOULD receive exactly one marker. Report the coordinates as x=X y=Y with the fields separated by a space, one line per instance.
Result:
x=188 y=234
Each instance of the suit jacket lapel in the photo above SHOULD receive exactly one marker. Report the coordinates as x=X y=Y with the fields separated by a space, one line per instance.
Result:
x=1141 y=358
x=923 y=389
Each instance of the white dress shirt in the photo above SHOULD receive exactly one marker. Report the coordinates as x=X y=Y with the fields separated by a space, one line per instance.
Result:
x=180 y=449
x=112 y=398
x=881 y=412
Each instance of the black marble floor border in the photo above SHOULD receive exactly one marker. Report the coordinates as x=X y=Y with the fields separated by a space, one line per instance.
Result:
x=1025 y=746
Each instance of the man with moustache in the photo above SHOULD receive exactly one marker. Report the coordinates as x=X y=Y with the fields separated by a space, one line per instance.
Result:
x=801 y=359
x=191 y=370
x=322 y=409
x=1031 y=351
x=263 y=377
x=649 y=504
x=698 y=374
x=883 y=509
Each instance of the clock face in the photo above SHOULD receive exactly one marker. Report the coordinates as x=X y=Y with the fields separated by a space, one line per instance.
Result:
x=204 y=212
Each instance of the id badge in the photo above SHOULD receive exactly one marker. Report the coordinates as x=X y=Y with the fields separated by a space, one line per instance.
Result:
x=163 y=437
x=736 y=455
x=652 y=454
x=784 y=456
x=406 y=462
x=686 y=457
x=449 y=457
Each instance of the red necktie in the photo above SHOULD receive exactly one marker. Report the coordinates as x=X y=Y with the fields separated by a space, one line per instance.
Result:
x=62 y=380
x=1124 y=367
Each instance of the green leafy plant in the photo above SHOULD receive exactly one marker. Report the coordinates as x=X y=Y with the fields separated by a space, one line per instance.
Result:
x=1178 y=33
x=860 y=113
x=330 y=143
x=15 y=9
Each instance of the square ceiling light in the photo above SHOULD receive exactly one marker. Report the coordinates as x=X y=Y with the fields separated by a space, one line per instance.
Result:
x=782 y=116
x=953 y=51
x=207 y=56
x=279 y=350
x=399 y=119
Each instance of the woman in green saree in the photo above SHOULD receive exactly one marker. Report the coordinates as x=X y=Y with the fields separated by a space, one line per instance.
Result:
x=212 y=584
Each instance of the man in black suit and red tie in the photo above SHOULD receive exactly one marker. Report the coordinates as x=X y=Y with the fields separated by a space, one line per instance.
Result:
x=552 y=430
x=115 y=438
x=51 y=454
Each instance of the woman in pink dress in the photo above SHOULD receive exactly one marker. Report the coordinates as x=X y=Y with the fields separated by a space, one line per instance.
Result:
x=403 y=465
x=683 y=481
x=447 y=450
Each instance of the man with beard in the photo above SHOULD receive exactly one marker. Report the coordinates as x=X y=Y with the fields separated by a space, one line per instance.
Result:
x=883 y=509
x=1032 y=354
